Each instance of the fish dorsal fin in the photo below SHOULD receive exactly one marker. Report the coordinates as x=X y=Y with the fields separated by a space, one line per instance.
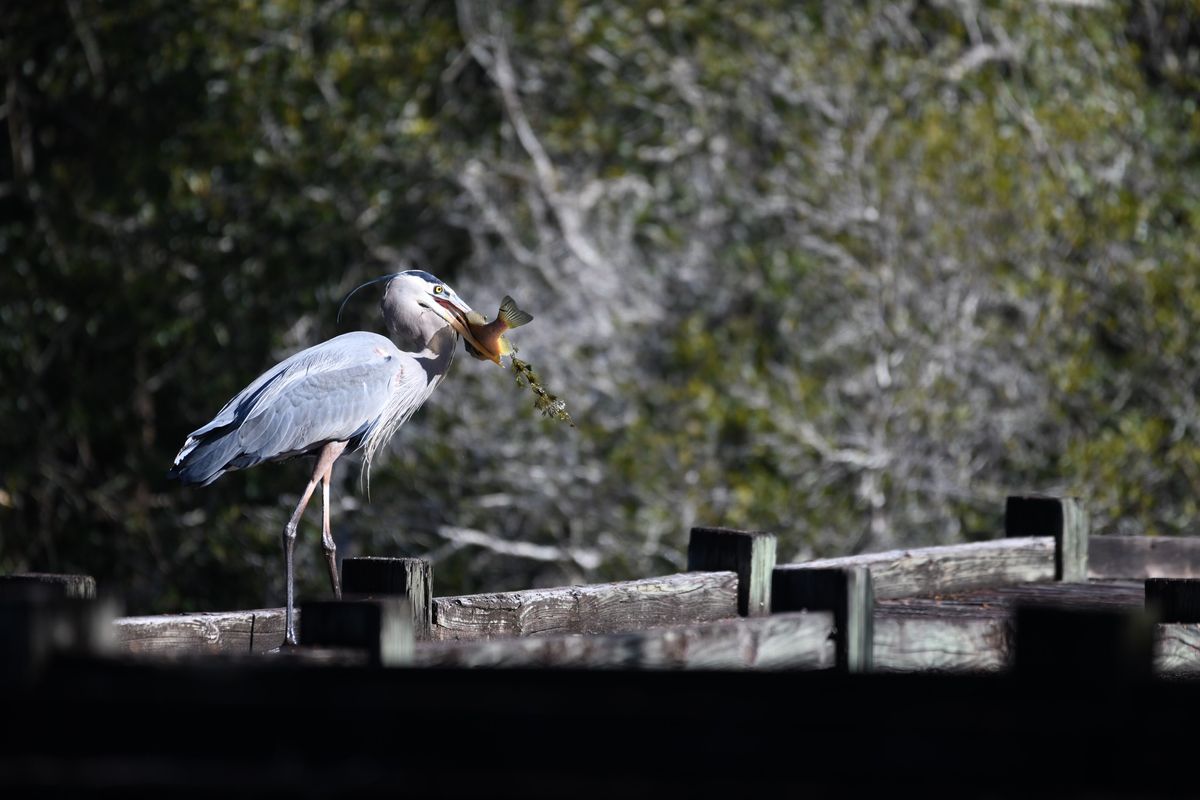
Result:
x=512 y=315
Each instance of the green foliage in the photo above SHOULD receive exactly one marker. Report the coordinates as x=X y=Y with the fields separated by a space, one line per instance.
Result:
x=186 y=185
x=862 y=269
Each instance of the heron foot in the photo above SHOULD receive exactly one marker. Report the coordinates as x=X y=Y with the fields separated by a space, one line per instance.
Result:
x=331 y=558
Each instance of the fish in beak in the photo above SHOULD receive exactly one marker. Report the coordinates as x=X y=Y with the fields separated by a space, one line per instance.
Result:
x=486 y=340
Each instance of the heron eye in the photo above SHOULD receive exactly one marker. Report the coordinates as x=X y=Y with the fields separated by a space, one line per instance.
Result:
x=438 y=290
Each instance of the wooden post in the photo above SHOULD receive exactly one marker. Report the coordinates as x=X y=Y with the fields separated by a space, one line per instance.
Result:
x=1065 y=519
x=847 y=592
x=1173 y=599
x=381 y=627
x=411 y=578
x=42 y=624
x=751 y=554
x=82 y=587
x=1084 y=643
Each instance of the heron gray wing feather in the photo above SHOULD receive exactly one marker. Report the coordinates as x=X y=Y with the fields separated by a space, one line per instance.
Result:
x=320 y=406
x=266 y=415
x=330 y=395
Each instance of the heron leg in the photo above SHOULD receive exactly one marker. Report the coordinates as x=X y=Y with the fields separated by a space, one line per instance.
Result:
x=325 y=460
x=337 y=449
x=289 y=546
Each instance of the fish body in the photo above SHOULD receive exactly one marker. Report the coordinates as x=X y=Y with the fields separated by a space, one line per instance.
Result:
x=487 y=341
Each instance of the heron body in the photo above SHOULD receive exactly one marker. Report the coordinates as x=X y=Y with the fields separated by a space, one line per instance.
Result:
x=352 y=391
x=336 y=391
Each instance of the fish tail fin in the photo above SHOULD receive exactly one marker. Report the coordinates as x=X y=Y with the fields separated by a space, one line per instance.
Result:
x=513 y=316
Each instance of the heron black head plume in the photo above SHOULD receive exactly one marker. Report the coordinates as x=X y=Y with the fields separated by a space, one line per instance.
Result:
x=346 y=299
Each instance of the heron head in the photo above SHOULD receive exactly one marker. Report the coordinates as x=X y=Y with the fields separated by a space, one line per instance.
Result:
x=416 y=305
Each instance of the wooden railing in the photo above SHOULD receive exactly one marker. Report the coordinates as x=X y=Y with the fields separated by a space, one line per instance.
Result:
x=932 y=608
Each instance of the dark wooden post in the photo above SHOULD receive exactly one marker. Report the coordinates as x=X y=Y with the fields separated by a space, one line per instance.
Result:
x=1084 y=643
x=82 y=587
x=751 y=554
x=1173 y=599
x=383 y=627
x=37 y=622
x=847 y=592
x=411 y=578
x=1065 y=519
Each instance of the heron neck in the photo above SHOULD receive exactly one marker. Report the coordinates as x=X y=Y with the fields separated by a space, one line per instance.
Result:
x=438 y=353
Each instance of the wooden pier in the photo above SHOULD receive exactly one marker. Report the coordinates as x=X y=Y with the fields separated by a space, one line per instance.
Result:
x=840 y=674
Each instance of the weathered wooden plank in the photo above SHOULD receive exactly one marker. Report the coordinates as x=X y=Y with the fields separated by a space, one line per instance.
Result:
x=751 y=554
x=800 y=640
x=410 y=578
x=1100 y=594
x=975 y=630
x=255 y=631
x=847 y=592
x=1144 y=557
x=82 y=587
x=999 y=601
x=952 y=568
x=1177 y=648
x=308 y=656
x=599 y=608
x=961 y=643
x=1064 y=518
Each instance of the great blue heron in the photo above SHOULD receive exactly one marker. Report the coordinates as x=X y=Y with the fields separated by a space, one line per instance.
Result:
x=351 y=391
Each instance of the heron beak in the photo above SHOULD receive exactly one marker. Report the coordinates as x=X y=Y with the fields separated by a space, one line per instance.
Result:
x=456 y=316
x=458 y=321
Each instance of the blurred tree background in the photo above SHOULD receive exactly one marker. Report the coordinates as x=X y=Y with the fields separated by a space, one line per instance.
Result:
x=850 y=272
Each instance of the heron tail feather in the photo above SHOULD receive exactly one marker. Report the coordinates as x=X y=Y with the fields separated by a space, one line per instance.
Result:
x=203 y=460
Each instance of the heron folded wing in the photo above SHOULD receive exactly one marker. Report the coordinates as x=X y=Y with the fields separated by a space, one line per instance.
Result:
x=316 y=408
x=328 y=392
